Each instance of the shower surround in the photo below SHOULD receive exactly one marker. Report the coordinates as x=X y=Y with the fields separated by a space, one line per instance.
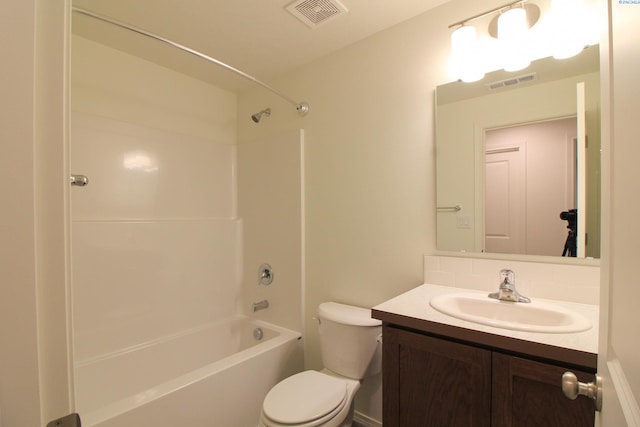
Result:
x=168 y=235
x=153 y=235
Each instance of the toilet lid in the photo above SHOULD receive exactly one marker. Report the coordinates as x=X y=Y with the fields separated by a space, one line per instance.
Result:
x=304 y=397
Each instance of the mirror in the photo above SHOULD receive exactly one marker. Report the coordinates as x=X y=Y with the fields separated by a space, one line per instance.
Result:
x=508 y=168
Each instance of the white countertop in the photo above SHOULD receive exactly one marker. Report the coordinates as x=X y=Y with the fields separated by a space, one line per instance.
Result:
x=415 y=304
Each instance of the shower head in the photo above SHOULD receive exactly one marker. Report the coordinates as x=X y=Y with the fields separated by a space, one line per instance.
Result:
x=257 y=116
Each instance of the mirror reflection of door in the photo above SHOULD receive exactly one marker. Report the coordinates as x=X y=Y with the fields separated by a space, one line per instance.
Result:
x=505 y=195
x=530 y=178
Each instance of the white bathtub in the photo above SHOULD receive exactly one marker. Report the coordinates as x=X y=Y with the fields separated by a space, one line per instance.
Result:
x=213 y=376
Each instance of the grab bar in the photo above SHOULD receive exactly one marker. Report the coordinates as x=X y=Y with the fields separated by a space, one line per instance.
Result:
x=455 y=208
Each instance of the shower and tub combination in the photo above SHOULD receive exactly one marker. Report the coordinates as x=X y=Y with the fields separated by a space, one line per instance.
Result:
x=165 y=318
x=171 y=326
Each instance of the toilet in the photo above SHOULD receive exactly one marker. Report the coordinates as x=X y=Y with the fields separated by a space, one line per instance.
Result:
x=349 y=349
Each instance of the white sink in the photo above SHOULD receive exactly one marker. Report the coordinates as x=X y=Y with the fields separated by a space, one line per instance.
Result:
x=533 y=317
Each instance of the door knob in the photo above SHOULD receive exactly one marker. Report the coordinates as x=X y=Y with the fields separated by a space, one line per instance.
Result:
x=572 y=388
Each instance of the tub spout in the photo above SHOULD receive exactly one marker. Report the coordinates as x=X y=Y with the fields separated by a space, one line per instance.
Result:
x=261 y=305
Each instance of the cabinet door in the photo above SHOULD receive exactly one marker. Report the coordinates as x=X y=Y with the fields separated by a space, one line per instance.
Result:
x=528 y=393
x=430 y=382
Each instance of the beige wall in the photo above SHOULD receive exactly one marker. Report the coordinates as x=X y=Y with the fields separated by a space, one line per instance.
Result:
x=370 y=191
x=112 y=84
x=52 y=98
x=18 y=366
x=368 y=162
x=271 y=213
x=33 y=361
x=619 y=346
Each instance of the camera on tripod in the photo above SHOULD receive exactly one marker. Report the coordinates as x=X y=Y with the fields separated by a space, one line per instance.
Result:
x=570 y=245
x=572 y=217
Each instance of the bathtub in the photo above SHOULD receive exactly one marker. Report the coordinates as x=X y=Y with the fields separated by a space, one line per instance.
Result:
x=213 y=376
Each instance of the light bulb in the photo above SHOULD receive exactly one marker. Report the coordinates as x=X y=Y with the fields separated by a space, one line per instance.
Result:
x=512 y=36
x=465 y=55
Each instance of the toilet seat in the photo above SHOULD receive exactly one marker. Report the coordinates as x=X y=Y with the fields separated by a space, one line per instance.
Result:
x=307 y=399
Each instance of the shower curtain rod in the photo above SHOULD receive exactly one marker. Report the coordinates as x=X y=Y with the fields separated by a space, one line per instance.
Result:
x=301 y=107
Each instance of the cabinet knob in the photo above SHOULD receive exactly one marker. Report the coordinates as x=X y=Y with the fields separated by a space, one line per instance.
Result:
x=572 y=388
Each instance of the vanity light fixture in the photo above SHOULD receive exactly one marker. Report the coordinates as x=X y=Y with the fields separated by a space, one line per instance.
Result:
x=510 y=27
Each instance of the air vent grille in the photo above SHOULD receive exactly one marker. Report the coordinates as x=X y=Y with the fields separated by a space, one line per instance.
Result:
x=316 y=12
x=511 y=81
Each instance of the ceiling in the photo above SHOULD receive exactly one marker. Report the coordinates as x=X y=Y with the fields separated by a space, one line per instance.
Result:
x=259 y=37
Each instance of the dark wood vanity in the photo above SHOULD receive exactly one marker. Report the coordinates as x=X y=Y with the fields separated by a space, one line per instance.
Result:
x=436 y=374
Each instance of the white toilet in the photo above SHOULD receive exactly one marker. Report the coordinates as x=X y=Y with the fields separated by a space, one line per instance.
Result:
x=349 y=347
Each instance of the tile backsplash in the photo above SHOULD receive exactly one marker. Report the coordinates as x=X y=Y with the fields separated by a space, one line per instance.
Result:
x=573 y=283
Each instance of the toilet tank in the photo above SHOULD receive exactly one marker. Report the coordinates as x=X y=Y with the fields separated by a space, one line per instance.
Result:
x=349 y=340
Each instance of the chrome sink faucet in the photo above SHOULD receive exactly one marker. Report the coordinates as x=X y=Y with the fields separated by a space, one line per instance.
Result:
x=507 y=290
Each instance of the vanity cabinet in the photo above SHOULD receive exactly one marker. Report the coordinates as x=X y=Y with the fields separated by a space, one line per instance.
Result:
x=429 y=381
x=434 y=381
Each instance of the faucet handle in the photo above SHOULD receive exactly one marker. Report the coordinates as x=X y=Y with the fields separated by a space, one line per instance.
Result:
x=507 y=277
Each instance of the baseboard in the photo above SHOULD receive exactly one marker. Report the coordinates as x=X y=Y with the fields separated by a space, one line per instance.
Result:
x=362 y=420
x=629 y=404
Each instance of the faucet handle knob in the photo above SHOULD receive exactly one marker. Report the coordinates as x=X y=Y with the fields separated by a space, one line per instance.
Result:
x=507 y=276
x=265 y=274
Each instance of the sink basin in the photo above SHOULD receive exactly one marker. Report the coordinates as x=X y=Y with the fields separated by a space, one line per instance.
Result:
x=532 y=317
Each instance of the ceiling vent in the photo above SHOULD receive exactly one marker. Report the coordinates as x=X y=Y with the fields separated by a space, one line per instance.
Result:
x=316 y=12
x=502 y=84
